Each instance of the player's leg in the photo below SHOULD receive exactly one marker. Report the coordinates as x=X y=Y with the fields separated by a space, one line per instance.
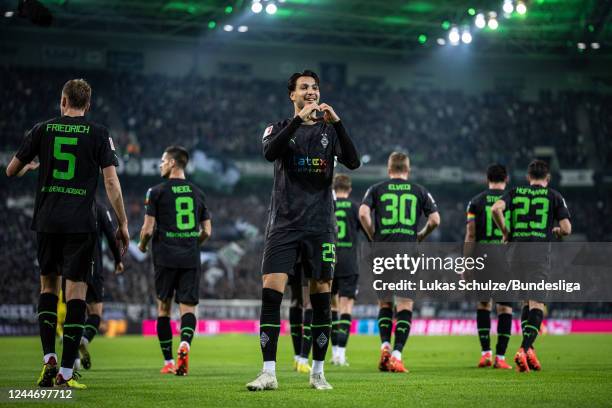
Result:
x=530 y=333
x=188 y=328
x=187 y=296
x=334 y=320
x=279 y=258
x=73 y=331
x=504 y=327
x=483 y=324
x=47 y=322
x=403 y=322
x=164 y=334
x=524 y=315
x=344 y=327
x=77 y=254
x=320 y=299
x=385 y=325
x=92 y=325
x=303 y=365
x=296 y=319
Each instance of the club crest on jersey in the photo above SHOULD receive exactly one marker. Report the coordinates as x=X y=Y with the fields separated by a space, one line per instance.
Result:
x=324 y=141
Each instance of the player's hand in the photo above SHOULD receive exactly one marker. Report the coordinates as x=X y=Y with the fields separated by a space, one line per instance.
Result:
x=119 y=268
x=28 y=167
x=142 y=248
x=557 y=232
x=123 y=238
x=308 y=111
x=329 y=115
x=420 y=236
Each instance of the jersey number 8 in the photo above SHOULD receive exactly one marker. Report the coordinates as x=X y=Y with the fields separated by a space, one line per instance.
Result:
x=185 y=218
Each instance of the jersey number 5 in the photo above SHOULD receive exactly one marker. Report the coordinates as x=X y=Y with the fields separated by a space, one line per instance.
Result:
x=185 y=218
x=64 y=156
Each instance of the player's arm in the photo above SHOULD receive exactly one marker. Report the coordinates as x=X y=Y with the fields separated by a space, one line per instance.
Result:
x=497 y=212
x=365 y=218
x=563 y=215
x=115 y=196
x=205 y=231
x=470 y=238
x=146 y=232
x=433 y=221
x=347 y=154
x=17 y=168
x=21 y=163
x=106 y=224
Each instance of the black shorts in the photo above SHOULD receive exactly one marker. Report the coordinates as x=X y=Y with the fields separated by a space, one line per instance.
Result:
x=95 y=287
x=182 y=283
x=315 y=250
x=69 y=255
x=346 y=286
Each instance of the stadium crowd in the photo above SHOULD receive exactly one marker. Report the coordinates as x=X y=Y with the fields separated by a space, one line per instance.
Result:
x=216 y=115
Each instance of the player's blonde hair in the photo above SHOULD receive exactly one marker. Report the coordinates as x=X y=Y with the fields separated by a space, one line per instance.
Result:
x=398 y=163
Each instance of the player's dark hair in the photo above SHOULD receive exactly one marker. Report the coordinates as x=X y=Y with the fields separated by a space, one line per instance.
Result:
x=538 y=169
x=294 y=77
x=497 y=173
x=342 y=182
x=398 y=162
x=179 y=154
x=78 y=92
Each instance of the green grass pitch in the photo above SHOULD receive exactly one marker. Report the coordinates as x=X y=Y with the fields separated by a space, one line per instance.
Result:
x=125 y=373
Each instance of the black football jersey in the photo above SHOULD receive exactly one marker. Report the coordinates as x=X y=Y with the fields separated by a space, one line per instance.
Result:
x=533 y=212
x=179 y=208
x=479 y=212
x=398 y=205
x=71 y=150
x=302 y=195
x=349 y=233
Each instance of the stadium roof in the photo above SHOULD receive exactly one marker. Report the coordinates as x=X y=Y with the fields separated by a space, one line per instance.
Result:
x=386 y=26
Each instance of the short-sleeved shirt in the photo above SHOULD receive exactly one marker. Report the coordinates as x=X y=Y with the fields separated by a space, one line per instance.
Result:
x=479 y=212
x=533 y=212
x=398 y=205
x=302 y=195
x=347 y=220
x=179 y=208
x=71 y=150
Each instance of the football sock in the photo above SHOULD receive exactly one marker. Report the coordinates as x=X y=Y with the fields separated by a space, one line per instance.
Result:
x=269 y=322
x=47 y=321
x=402 y=329
x=164 y=334
x=504 y=327
x=307 y=336
x=188 y=326
x=92 y=324
x=483 y=322
x=317 y=366
x=73 y=331
x=334 y=328
x=321 y=324
x=295 y=326
x=344 y=329
x=385 y=321
x=532 y=328
x=524 y=317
